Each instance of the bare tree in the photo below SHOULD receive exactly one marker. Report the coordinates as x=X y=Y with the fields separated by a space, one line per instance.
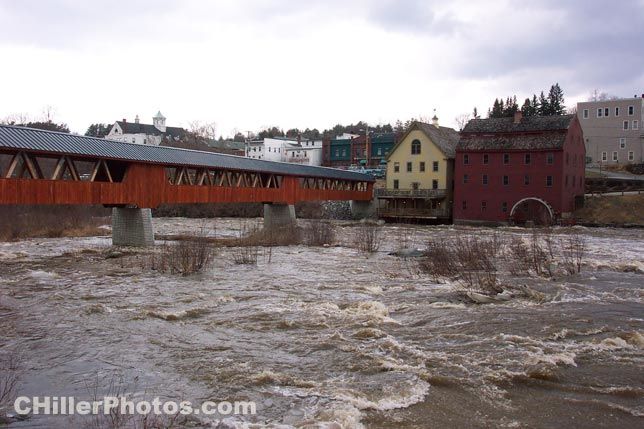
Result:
x=204 y=130
x=462 y=120
x=597 y=95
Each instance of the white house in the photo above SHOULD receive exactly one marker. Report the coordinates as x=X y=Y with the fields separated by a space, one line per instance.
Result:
x=283 y=149
x=152 y=134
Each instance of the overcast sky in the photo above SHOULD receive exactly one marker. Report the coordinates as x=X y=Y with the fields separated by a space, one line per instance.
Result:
x=248 y=64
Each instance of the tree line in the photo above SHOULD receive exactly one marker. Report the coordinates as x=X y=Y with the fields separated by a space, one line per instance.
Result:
x=551 y=105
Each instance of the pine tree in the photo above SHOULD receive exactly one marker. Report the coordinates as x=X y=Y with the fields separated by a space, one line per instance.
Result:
x=526 y=109
x=556 y=100
x=544 y=105
x=535 y=105
x=497 y=109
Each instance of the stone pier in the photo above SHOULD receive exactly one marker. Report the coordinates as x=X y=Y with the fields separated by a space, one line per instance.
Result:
x=132 y=227
x=363 y=209
x=279 y=216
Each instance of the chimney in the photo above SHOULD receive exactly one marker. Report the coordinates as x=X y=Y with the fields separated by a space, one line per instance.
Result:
x=435 y=121
x=518 y=115
x=136 y=119
x=124 y=120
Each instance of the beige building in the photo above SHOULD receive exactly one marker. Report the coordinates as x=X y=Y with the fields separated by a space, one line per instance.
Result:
x=420 y=171
x=613 y=130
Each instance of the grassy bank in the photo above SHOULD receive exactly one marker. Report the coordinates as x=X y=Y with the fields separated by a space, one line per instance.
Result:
x=17 y=222
x=619 y=210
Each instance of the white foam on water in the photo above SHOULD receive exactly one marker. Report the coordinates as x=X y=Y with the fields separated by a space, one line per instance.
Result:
x=447 y=305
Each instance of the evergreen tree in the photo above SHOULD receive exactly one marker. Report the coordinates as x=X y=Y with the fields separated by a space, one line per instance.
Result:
x=535 y=104
x=497 y=109
x=544 y=105
x=511 y=106
x=556 y=100
x=97 y=130
x=526 y=109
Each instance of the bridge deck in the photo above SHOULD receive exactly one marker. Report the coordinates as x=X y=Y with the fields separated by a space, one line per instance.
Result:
x=42 y=167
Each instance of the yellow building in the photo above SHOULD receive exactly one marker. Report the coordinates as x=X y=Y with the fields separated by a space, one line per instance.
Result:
x=420 y=173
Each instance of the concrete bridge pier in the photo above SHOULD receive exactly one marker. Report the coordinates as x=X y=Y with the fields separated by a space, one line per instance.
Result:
x=132 y=227
x=278 y=216
x=363 y=209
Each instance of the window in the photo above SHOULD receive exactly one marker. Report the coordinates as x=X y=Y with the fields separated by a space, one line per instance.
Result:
x=526 y=180
x=483 y=205
x=625 y=125
x=526 y=158
x=606 y=112
x=344 y=152
x=435 y=166
x=636 y=125
x=566 y=182
x=415 y=186
x=409 y=169
x=506 y=158
x=550 y=158
x=567 y=158
x=486 y=158
x=604 y=156
x=616 y=111
x=622 y=143
x=548 y=181
x=396 y=167
x=504 y=207
x=396 y=184
x=585 y=113
x=464 y=205
x=600 y=113
x=466 y=178
x=615 y=156
x=506 y=180
x=631 y=110
x=631 y=155
x=434 y=184
x=485 y=179
x=379 y=151
x=422 y=166
x=466 y=159
x=415 y=147
x=574 y=180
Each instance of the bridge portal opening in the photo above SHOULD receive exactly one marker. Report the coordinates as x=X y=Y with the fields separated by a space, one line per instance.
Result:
x=532 y=210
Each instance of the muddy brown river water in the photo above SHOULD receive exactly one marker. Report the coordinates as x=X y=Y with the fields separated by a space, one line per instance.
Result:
x=328 y=338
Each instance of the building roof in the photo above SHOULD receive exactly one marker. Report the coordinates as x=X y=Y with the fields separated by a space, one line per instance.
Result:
x=158 y=116
x=531 y=133
x=527 y=124
x=149 y=129
x=49 y=142
x=443 y=137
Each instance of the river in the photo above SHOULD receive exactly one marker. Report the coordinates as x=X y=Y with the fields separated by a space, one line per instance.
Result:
x=327 y=337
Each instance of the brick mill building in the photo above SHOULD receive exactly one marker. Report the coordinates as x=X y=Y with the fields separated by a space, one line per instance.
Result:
x=518 y=169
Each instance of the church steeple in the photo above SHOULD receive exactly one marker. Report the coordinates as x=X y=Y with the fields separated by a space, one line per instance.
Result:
x=159 y=121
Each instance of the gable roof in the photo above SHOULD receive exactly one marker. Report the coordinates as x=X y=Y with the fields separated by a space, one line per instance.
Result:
x=527 y=124
x=149 y=129
x=531 y=133
x=444 y=138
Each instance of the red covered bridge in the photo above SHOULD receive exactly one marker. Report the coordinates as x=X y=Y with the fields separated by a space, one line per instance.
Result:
x=44 y=167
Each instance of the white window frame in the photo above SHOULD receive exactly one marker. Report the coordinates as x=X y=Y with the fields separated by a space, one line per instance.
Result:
x=622 y=143
x=635 y=125
x=606 y=112
x=617 y=111
x=631 y=110
x=615 y=156
x=625 y=126
x=604 y=156
x=600 y=112
x=585 y=113
x=631 y=155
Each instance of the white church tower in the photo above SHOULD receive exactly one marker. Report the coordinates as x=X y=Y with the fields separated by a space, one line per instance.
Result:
x=159 y=122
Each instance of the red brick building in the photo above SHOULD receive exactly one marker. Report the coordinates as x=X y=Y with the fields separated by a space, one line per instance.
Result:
x=519 y=169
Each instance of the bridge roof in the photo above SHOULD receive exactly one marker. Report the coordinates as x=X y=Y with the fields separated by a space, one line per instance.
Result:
x=49 y=142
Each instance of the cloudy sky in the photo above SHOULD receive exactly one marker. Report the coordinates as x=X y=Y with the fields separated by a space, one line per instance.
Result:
x=248 y=64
